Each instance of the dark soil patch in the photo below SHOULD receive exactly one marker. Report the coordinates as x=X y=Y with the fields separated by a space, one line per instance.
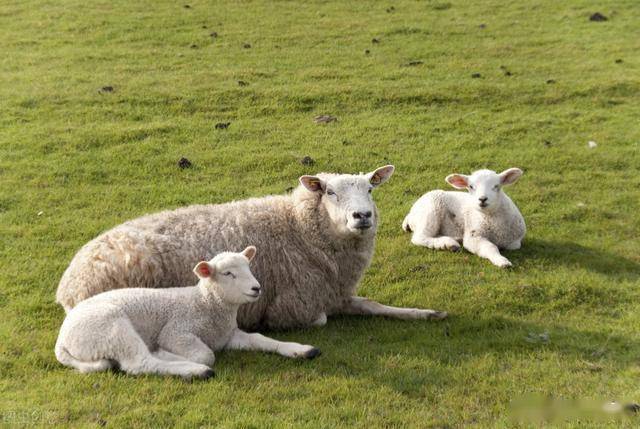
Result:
x=307 y=160
x=184 y=163
x=598 y=17
x=222 y=125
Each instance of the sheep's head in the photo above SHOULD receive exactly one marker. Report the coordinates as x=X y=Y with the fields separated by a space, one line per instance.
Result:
x=485 y=186
x=230 y=273
x=347 y=199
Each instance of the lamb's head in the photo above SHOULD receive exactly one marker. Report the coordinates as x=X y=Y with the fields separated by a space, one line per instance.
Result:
x=347 y=199
x=229 y=273
x=485 y=186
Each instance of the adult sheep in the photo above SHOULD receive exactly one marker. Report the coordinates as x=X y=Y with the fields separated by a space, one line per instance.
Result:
x=315 y=245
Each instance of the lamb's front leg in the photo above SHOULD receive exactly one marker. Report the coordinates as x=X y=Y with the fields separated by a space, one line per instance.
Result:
x=244 y=341
x=357 y=305
x=485 y=249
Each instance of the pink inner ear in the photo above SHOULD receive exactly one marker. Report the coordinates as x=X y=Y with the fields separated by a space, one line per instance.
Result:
x=458 y=181
x=203 y=269
x=509 y=177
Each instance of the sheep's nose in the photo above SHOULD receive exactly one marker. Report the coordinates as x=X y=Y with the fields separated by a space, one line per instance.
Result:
x=483 y=199
x=256 y=288
x=362 y=215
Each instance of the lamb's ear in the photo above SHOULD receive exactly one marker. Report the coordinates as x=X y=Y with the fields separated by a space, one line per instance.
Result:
x=312 y=183
x=458 y=181
x=381 y=175
x=249 y=252
x=507 y=177
x=204 y=270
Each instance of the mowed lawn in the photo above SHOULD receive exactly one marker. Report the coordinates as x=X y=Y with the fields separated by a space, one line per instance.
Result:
x=76 y=159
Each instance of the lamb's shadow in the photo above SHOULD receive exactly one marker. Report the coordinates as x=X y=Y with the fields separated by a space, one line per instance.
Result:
x=575 y=255
x=411 y=356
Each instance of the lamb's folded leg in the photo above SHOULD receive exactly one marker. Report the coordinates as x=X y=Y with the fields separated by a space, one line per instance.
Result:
x=485 y=249
x=244 y=341
x=362 y=306
x=168 y=356
x=187 y=345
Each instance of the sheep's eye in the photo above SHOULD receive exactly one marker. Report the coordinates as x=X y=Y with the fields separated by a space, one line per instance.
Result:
x=370 y=189
x=472 y=187
x=229 y=273
x=496 y=188
x=330 y=193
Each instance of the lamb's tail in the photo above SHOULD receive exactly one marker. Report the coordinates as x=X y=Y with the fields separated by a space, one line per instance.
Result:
x=65 y=358
x=405 y=224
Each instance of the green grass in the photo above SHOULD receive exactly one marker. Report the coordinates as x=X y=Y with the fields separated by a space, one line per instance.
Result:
x=89 y=160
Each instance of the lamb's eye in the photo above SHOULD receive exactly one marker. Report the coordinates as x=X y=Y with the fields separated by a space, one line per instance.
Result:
x=229 y=273
x=370 y=189
x=496 y=188
x=330 y=193
x=472 y=187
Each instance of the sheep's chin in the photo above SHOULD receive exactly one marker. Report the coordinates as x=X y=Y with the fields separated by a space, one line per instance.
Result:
x=360 y=232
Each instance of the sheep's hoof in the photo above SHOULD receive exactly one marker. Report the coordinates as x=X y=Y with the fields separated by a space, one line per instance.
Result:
x=207 y=375
x=439 y=315
x=313 y=353
x=204 y=375
x=454 y=248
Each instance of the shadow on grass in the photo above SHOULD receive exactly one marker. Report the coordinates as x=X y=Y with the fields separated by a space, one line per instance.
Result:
x=573 y=254
x=407 y=356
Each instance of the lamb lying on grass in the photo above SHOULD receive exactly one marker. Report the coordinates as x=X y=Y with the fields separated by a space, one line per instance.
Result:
x=171 y=331
x=484 y=220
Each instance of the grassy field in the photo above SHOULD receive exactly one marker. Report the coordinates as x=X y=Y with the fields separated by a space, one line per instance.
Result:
x=76 y=159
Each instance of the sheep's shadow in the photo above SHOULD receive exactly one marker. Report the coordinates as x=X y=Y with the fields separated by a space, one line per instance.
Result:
x=410 y=356
x=575 y=255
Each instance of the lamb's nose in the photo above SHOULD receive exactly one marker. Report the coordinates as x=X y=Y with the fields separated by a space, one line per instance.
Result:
x=256 y=289
x=362 y=215
x=483 y=199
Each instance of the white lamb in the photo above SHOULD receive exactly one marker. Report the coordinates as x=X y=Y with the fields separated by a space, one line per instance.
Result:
x=484 y=220
x=171 y=331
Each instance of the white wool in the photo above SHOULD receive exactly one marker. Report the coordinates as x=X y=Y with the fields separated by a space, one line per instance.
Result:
x=443 y=220
x=171 y=331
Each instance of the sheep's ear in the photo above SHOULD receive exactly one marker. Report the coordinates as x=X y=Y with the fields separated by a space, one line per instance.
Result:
x=381 y=175
x=312 y=183
x=249 y=252
x=507 y=177
x=458 y=181
x=204 y=270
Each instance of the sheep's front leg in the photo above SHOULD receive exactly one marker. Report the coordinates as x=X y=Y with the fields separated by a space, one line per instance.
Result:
x=320 y=321
x=187 y=345
x=486 y=249
x=244 y=341
x=357 y=305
